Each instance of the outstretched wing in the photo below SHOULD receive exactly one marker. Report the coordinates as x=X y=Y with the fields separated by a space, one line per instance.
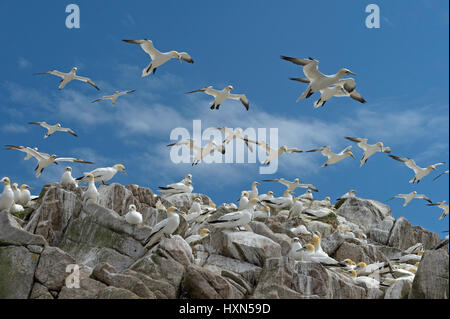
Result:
x=126 y=92
x=54 y=72
x=242 y=98
x=293 y=150
x=43 y=124
x=86 y=80
x=209 y=90
x=147 y=46
x=37 y=155
x=71 y=159
x=310 y=67
x=68 y=130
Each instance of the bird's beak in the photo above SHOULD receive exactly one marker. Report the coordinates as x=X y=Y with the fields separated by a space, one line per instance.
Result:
x=258 y=184
x=351 y=73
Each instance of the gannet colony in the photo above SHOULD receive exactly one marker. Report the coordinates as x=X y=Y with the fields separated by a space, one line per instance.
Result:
x=81 y=237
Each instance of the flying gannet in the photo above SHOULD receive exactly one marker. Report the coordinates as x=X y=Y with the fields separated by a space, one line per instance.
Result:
x=91 y=194
x=221 y=96
x=409 y=197
x=67 y=77
x=158 y=58
x=237 y=219
x=104 y=174
x=292 y=186
x=177 y=188
x=51 y=129
x=317 y=80
x=332 y=157
x=236 y=134
x=420 y=172
x=343 y=88
x=273 y=154
x=67 y=180
x=369 y=150
x=7 y=197
x=442 y=205
x=44 y=160
x=200 y=152
x=446 y=172
x=133 y=217
x=113 y=97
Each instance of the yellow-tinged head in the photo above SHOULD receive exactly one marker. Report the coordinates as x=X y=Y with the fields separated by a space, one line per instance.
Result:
x=413 y=270
x=230 y=87
x=297 y=180
x=184 y=214
x=348 y=261
x=120 y=167
x=347 y=230
x=417 y=264
x=287 y=193
x=90 y=176
x=361 y=265
x=420 y=252
x=24 y=186
x=351 y=273
x=132 y=208
x=244 y=194
x=270 y=193
x=344 y=72
x=254 y=184
x=310 y=247
x=204 y=232
x=171 y=210
x=188 y=176
x=14 y=186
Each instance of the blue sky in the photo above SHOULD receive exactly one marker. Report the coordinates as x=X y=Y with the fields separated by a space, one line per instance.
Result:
x=402 y=72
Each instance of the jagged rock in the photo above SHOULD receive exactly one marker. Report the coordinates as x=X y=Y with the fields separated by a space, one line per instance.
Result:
x=57 y=208
x=200 y=283
x=178 y=249
x=40 y=292
x=108 y=275
x=90 y=243
x=282 y=239
x=399 y=290
x=245 y=246
x=380 y=233
x=11 y=233
x=404 y=235
x=333 y=242
x=432 y=277
x=116 y=293
x=17 y=267
x=161 y=289
x=325 y=229
x=248 y=271
x=51 y=270
x=365 y=213
x=89 y=288
x=365 y=253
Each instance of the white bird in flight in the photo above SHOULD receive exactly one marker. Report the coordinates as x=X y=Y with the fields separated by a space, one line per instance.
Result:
x=51 y=129
x=44 y=160
x=236 y=134
x=343 y=88
x=158 y=58
x=332 y=157
x=292 y=186
x=420 y=172
x=442 y=205
x=409 y=197
x=67 y=77
x=221 y=96
x=368 y=149
x=200 y=152
x=273 y=154
x=114 y=97
x=440 y=175
x=317 y=80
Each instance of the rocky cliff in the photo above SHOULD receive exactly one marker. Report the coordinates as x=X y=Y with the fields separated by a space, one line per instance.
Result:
x=38 y=249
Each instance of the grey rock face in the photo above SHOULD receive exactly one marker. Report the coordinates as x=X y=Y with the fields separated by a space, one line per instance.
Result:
x=11 y=233
x=404 y=235
x=51 y=271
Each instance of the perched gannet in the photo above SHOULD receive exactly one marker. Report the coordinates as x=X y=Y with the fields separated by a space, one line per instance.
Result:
x=236 y=134
x=296 y=209
x=16 y=191
x=188 y=177
x=103 y=174
x=332 y=157
x=158 y=58
x=44 y=160
x=254 y=192
x=91 y=193
x=200 y=152
x=160 y=206
x=369 y=150
x=237 y=219
x=292 y=186
x=317 y=80
x=194 y=239
x=51 y=129
x=350 y=194
x=280 y=203
x=244 y=201
x=368 y=282
x=177 y=188
x=300 y=230
x=410 y=258
x=114 y=97
x=414 y=249
x=326 y=202
x=67 y=179
x=446 y=172
x=363 y=269
x=221 y=96
x=343 y=88
x=273 y=154
x=67 y=77
x=420 y=172
x=7 y=197
x=165 y=227
x=133 y=217
x=314 y=253
x=269 y=195
x=409 y=197
x=196 y=213
x=25 y=195
x=442 y=205
x=296 y=247
x=307 y=198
